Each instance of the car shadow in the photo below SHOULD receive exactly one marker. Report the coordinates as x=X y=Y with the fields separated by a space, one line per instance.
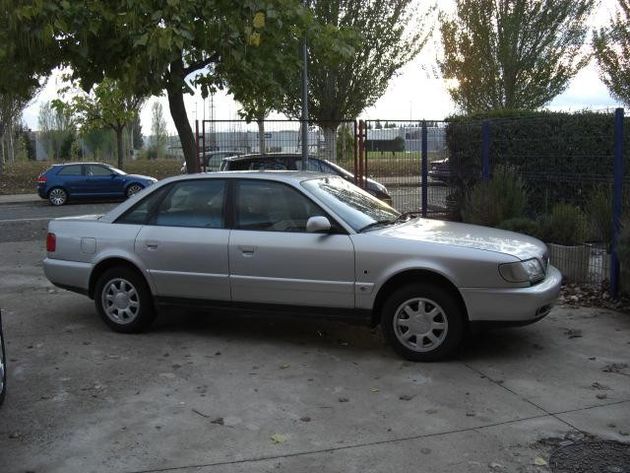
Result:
x=292 y=330
x=501 y=344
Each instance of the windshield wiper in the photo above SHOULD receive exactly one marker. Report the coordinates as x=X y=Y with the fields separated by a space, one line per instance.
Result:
x=376 y=224
x=405 y=215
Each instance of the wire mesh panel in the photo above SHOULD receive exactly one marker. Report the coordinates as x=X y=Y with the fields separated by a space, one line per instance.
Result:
x=393 y=157
x=332 y=141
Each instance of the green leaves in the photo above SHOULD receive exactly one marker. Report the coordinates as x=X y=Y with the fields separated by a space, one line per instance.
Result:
x=512 y=54
x=612 y=51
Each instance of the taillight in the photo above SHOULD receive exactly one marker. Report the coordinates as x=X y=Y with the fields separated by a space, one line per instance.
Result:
x=51 y=242
x=41 y=179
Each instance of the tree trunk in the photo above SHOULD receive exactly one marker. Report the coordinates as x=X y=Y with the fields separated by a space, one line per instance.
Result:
x=119 y=146
x=330 y=141
x=261 y=136
x=180 y=117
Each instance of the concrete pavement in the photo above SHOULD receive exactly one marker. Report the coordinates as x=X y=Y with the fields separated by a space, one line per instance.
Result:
x=226 y=393
x=19 y=198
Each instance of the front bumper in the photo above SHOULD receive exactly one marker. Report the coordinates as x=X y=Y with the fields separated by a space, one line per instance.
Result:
x=517 y=306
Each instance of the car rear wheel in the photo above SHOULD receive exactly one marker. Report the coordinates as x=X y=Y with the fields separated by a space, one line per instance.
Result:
x=57 y=196
x=423 y=322
x=123 y=300
x=133 y=189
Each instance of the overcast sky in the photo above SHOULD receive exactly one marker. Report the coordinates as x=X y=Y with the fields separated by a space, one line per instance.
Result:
x=414 y=94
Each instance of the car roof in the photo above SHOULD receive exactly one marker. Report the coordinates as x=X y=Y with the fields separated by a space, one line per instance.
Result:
x=80 y=162
x=266 y=155
x=275 y=175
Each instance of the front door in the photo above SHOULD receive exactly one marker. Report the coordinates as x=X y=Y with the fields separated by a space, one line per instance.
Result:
x=184 y=244
x=273 y=259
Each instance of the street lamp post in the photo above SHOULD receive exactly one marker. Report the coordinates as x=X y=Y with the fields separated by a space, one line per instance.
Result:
x=305 y=99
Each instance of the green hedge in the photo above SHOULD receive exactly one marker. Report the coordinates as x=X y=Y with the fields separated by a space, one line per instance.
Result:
x=561 y=156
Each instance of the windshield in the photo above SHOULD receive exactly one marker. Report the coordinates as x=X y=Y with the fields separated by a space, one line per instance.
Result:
x=355 y=206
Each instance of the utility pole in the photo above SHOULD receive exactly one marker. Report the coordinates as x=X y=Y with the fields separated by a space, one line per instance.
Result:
x=305 y=99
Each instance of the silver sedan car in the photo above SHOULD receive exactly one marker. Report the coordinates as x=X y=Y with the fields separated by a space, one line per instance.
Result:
x=303 y=243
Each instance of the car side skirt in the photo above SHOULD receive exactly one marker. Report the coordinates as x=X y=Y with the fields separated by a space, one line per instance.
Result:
x=361 y=316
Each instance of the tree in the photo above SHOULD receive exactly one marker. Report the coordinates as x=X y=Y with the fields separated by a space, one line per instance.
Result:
x=612 y=50
x=512 y=54
x=108 y=105
x=171 y=46
x=158 y=129
x=57 y=130
x=380 y=36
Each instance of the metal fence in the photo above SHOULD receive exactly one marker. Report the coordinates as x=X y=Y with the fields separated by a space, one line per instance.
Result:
x=334 y=141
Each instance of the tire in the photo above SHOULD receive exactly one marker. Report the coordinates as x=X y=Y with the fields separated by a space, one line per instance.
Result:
x=438 y=329
x=130 y=312
x=133 y=189
x=57 y=196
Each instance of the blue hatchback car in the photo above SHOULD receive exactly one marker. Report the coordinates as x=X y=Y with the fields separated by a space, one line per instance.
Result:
x=63 y=182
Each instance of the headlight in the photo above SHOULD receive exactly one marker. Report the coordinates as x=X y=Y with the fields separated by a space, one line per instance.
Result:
x=522 y=271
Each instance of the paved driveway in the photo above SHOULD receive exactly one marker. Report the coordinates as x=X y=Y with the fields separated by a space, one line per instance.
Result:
x=227 y=393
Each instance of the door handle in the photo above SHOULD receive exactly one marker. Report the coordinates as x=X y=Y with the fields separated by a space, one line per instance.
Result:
x=152 y=245
x=247 y=250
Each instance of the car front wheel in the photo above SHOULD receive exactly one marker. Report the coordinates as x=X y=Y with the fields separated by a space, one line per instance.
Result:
x=123 y=300
x=57 y=196
x=423 y=322
x=133 y=189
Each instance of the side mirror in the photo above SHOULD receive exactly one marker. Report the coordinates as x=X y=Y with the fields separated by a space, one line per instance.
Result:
x=318 y=225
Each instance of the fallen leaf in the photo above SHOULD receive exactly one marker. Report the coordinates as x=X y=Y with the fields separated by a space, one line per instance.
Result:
x=540 y=461
x=278 y=438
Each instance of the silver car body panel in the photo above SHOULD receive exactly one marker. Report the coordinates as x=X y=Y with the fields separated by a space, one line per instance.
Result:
x=303 y=269
x=292 y=268
x=186 y=262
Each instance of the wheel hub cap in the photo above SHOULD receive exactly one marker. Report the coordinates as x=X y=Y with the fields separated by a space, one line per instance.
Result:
x=420 y=324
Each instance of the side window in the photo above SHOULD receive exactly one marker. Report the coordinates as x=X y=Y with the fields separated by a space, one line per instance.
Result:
x=272 y=164
x=140 y=213
x=97 y=171
x=312 y=165
x=197 y=203
x=74 y=170
x=272 y=206
x=239 y=165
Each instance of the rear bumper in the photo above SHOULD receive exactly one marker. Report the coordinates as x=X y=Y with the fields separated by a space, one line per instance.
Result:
x=71 y=275
x=519 y=306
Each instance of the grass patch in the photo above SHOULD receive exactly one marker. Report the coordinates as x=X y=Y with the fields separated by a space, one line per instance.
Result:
x=19 y=177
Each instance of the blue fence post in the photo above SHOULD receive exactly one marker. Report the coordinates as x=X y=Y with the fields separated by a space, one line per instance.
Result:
x=485 y=150
x=617 y=198
x=425 y=169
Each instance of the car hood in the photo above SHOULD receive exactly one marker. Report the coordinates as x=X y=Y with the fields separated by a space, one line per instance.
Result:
x=467 y=236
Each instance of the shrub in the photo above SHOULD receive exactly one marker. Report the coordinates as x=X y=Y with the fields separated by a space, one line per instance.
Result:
x=501 y=198
x=599 y=212
x=523 y=225
x=565 y=226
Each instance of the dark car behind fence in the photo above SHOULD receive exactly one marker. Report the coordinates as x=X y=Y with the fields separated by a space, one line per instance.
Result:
x=556 y=176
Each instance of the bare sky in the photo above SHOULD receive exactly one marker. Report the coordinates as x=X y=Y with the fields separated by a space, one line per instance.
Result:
x=416 y=93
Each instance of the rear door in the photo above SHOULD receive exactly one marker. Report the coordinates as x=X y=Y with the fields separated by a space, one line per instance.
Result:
x=184 y=244
x=274 y=260
x=70 y=178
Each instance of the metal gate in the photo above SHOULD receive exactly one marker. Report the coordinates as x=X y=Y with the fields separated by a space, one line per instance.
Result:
x=410 y=158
